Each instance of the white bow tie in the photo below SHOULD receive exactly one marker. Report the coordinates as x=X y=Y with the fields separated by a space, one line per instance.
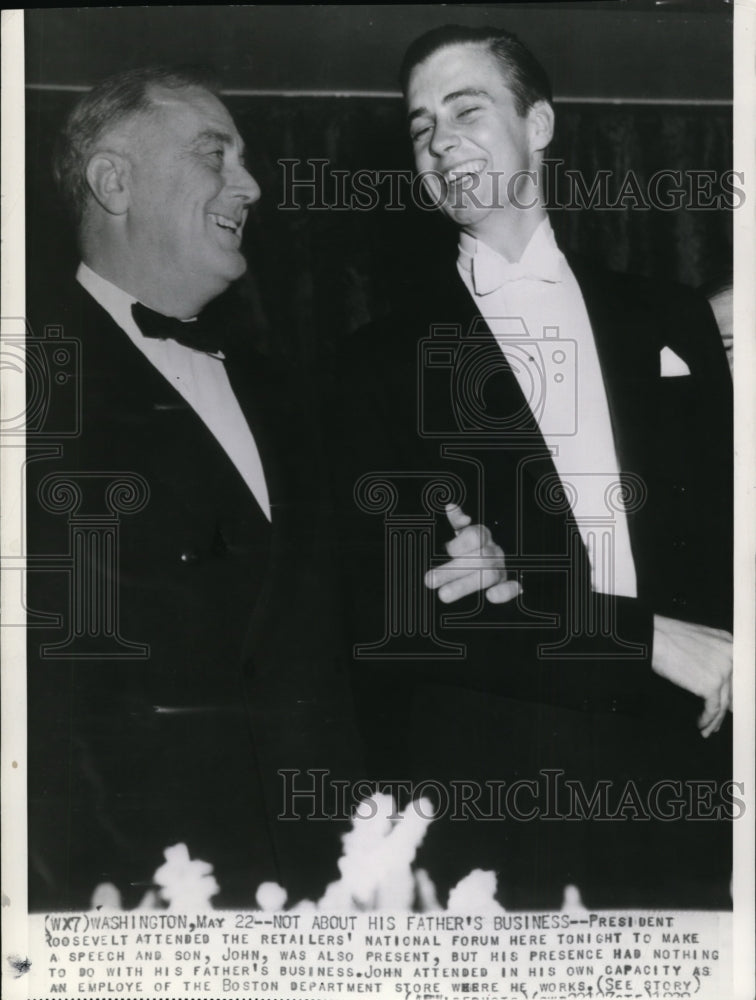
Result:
x=490 y=271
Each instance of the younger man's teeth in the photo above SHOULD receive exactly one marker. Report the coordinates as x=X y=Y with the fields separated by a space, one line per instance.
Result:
x=463 y=170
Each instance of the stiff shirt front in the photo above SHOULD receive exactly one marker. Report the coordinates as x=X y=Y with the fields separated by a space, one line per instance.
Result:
x=536 y=313
x=200 y=378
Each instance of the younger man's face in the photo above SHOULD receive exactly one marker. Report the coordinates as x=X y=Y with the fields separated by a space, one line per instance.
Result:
x=467 y=134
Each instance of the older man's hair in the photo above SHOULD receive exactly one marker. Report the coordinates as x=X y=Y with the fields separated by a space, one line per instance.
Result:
x=524 y=75
x=108 y=104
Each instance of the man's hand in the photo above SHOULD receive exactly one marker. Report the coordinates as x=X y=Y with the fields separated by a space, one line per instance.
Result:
x=477 y=563
x=698 y=659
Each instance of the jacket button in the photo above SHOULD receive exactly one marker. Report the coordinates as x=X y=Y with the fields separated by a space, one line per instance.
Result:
x=189 y=556
x=679 y=601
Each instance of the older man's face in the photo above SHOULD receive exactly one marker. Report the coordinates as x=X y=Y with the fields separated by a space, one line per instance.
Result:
x=468 y=137
x=189 y=192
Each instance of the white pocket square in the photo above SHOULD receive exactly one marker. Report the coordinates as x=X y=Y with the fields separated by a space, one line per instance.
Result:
x=671 y=365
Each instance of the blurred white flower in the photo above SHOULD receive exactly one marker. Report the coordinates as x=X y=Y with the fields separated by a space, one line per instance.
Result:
x=378 y=852
x=185 y=885
x=304 y=906
x=106 y=897
x=271 y=896
x=475 y=893
x=375 y=866
x=572 y=902
x=425 y=891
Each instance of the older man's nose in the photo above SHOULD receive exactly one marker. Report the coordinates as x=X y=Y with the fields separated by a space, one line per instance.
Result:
x=245 y=186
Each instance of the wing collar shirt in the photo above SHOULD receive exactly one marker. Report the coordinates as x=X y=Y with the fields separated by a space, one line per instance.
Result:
x=199 y=377
x=535 y=310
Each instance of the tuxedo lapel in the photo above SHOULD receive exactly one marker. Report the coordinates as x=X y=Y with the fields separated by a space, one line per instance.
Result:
x=515 y=467
x=510 y=406
x=140 y=398
x=506 y=405
x=127 y=384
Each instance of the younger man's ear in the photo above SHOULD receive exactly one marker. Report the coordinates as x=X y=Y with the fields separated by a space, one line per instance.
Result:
x=107 y=175
x=541 y=124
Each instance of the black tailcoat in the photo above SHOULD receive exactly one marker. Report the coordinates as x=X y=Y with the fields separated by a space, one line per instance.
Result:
x=194 y=651
x=526 y=696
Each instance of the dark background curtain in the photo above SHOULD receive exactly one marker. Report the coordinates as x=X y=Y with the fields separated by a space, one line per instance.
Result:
x=315 y=275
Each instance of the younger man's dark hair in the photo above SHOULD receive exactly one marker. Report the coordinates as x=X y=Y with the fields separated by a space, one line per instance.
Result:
x=525 y=76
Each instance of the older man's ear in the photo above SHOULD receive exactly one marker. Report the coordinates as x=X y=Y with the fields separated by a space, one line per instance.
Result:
x=107 y=176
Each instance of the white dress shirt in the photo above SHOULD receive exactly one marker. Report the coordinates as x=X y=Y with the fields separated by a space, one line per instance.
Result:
x=536 y=312
x=199 y=377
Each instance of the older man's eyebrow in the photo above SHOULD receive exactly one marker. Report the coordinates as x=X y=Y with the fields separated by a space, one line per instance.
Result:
x=215 y=135
x=449 y=98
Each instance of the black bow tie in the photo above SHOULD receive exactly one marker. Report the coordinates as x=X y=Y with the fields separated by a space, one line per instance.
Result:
x=194 y=333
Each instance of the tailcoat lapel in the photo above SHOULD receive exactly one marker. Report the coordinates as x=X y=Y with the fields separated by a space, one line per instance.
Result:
x=508 y=398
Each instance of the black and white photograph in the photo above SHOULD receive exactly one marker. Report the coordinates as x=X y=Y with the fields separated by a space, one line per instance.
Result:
x=378 y=500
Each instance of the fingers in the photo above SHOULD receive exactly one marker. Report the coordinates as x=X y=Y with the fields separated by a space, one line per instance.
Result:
x=476 y=538
x=457 y=517
x=469 y=584
x=477 y=562
x=457 y=569
x=725 y=694
x=503 y=592
x=715 y=709
x=460 y=577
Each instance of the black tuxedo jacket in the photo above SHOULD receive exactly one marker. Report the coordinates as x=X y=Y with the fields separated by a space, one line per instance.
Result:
x=193 y=653
x=401 y=382
x=428 y=390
